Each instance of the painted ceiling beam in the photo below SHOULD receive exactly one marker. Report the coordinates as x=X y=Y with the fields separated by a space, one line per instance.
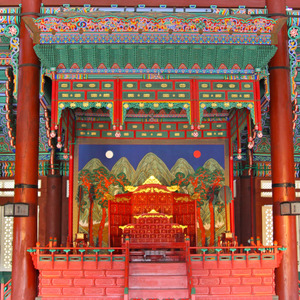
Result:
x=295 y=4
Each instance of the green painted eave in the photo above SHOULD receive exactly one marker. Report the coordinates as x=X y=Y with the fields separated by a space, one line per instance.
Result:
x=3 y=80
x=51 y=55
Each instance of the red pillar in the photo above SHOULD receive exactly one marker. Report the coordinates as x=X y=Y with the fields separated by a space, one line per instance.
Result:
x=71 y=195
x=54 y=207
x=231 y=179
x=54 y=201
x=246 y=217
x=282 y=157
x=26 y=173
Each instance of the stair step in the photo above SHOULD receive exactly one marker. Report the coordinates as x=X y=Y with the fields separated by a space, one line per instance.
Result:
x=157 y=269
x=159 y=293
x=157 y=282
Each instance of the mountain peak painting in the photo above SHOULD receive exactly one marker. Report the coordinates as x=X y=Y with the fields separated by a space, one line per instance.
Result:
x=105 y=170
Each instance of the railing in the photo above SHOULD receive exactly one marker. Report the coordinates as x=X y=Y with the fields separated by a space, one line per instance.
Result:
x=189 y=270
x=237 y=249
x=76 y=254
x=126 y=279
x=231 y=257
x=5 y=291
x=75 y=250
x=218 y=256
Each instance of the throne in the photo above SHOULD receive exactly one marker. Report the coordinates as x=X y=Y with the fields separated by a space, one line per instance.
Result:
x=154 y=234
x=153 y=216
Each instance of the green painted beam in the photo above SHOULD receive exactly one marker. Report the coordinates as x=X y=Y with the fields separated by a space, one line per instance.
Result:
x=149 y=54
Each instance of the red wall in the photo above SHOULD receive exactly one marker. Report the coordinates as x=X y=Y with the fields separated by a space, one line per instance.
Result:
x=104 y=282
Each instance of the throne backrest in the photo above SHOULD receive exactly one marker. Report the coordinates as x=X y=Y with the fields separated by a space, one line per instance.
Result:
x=154 y=227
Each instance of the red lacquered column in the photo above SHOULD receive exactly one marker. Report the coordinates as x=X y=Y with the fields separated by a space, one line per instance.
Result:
x=26 y=172
x=282 y=157
x=71 y=192
x=54 y=207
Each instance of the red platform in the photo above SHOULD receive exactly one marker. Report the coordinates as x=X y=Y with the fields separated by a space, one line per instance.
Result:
x=86 y=273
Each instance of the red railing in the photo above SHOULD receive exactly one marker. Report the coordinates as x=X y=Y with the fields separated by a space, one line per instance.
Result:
x=189 y=271
x=126 y=279
x=76 y=250
x=111 y=254
x=236 y=249
x=236 y=257
x=5 y=291
x=51 y=257
x=191 y=255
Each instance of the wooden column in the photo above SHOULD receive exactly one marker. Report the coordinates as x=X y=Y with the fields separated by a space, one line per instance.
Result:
x=246 y=220
x=54 y=201
x=282 y=158
x=26 y=172
x=54 y=207
x=71 y=187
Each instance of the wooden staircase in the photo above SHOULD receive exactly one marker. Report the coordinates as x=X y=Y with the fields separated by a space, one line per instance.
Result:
x=158 y=280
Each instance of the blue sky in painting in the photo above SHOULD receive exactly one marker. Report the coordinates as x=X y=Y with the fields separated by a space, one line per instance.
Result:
x=134 y=153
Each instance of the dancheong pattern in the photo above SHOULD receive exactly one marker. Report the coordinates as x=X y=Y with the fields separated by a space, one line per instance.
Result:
x=147 y=24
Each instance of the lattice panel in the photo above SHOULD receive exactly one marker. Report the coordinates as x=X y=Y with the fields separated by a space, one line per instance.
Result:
x=267 y=225
x=6 y=242
x=266 y=194
x=7 y=184
x=266 y=184
x=67 y=188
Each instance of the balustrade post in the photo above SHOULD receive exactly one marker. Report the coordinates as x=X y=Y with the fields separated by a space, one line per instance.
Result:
x=126 y=281
x=2 y=291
